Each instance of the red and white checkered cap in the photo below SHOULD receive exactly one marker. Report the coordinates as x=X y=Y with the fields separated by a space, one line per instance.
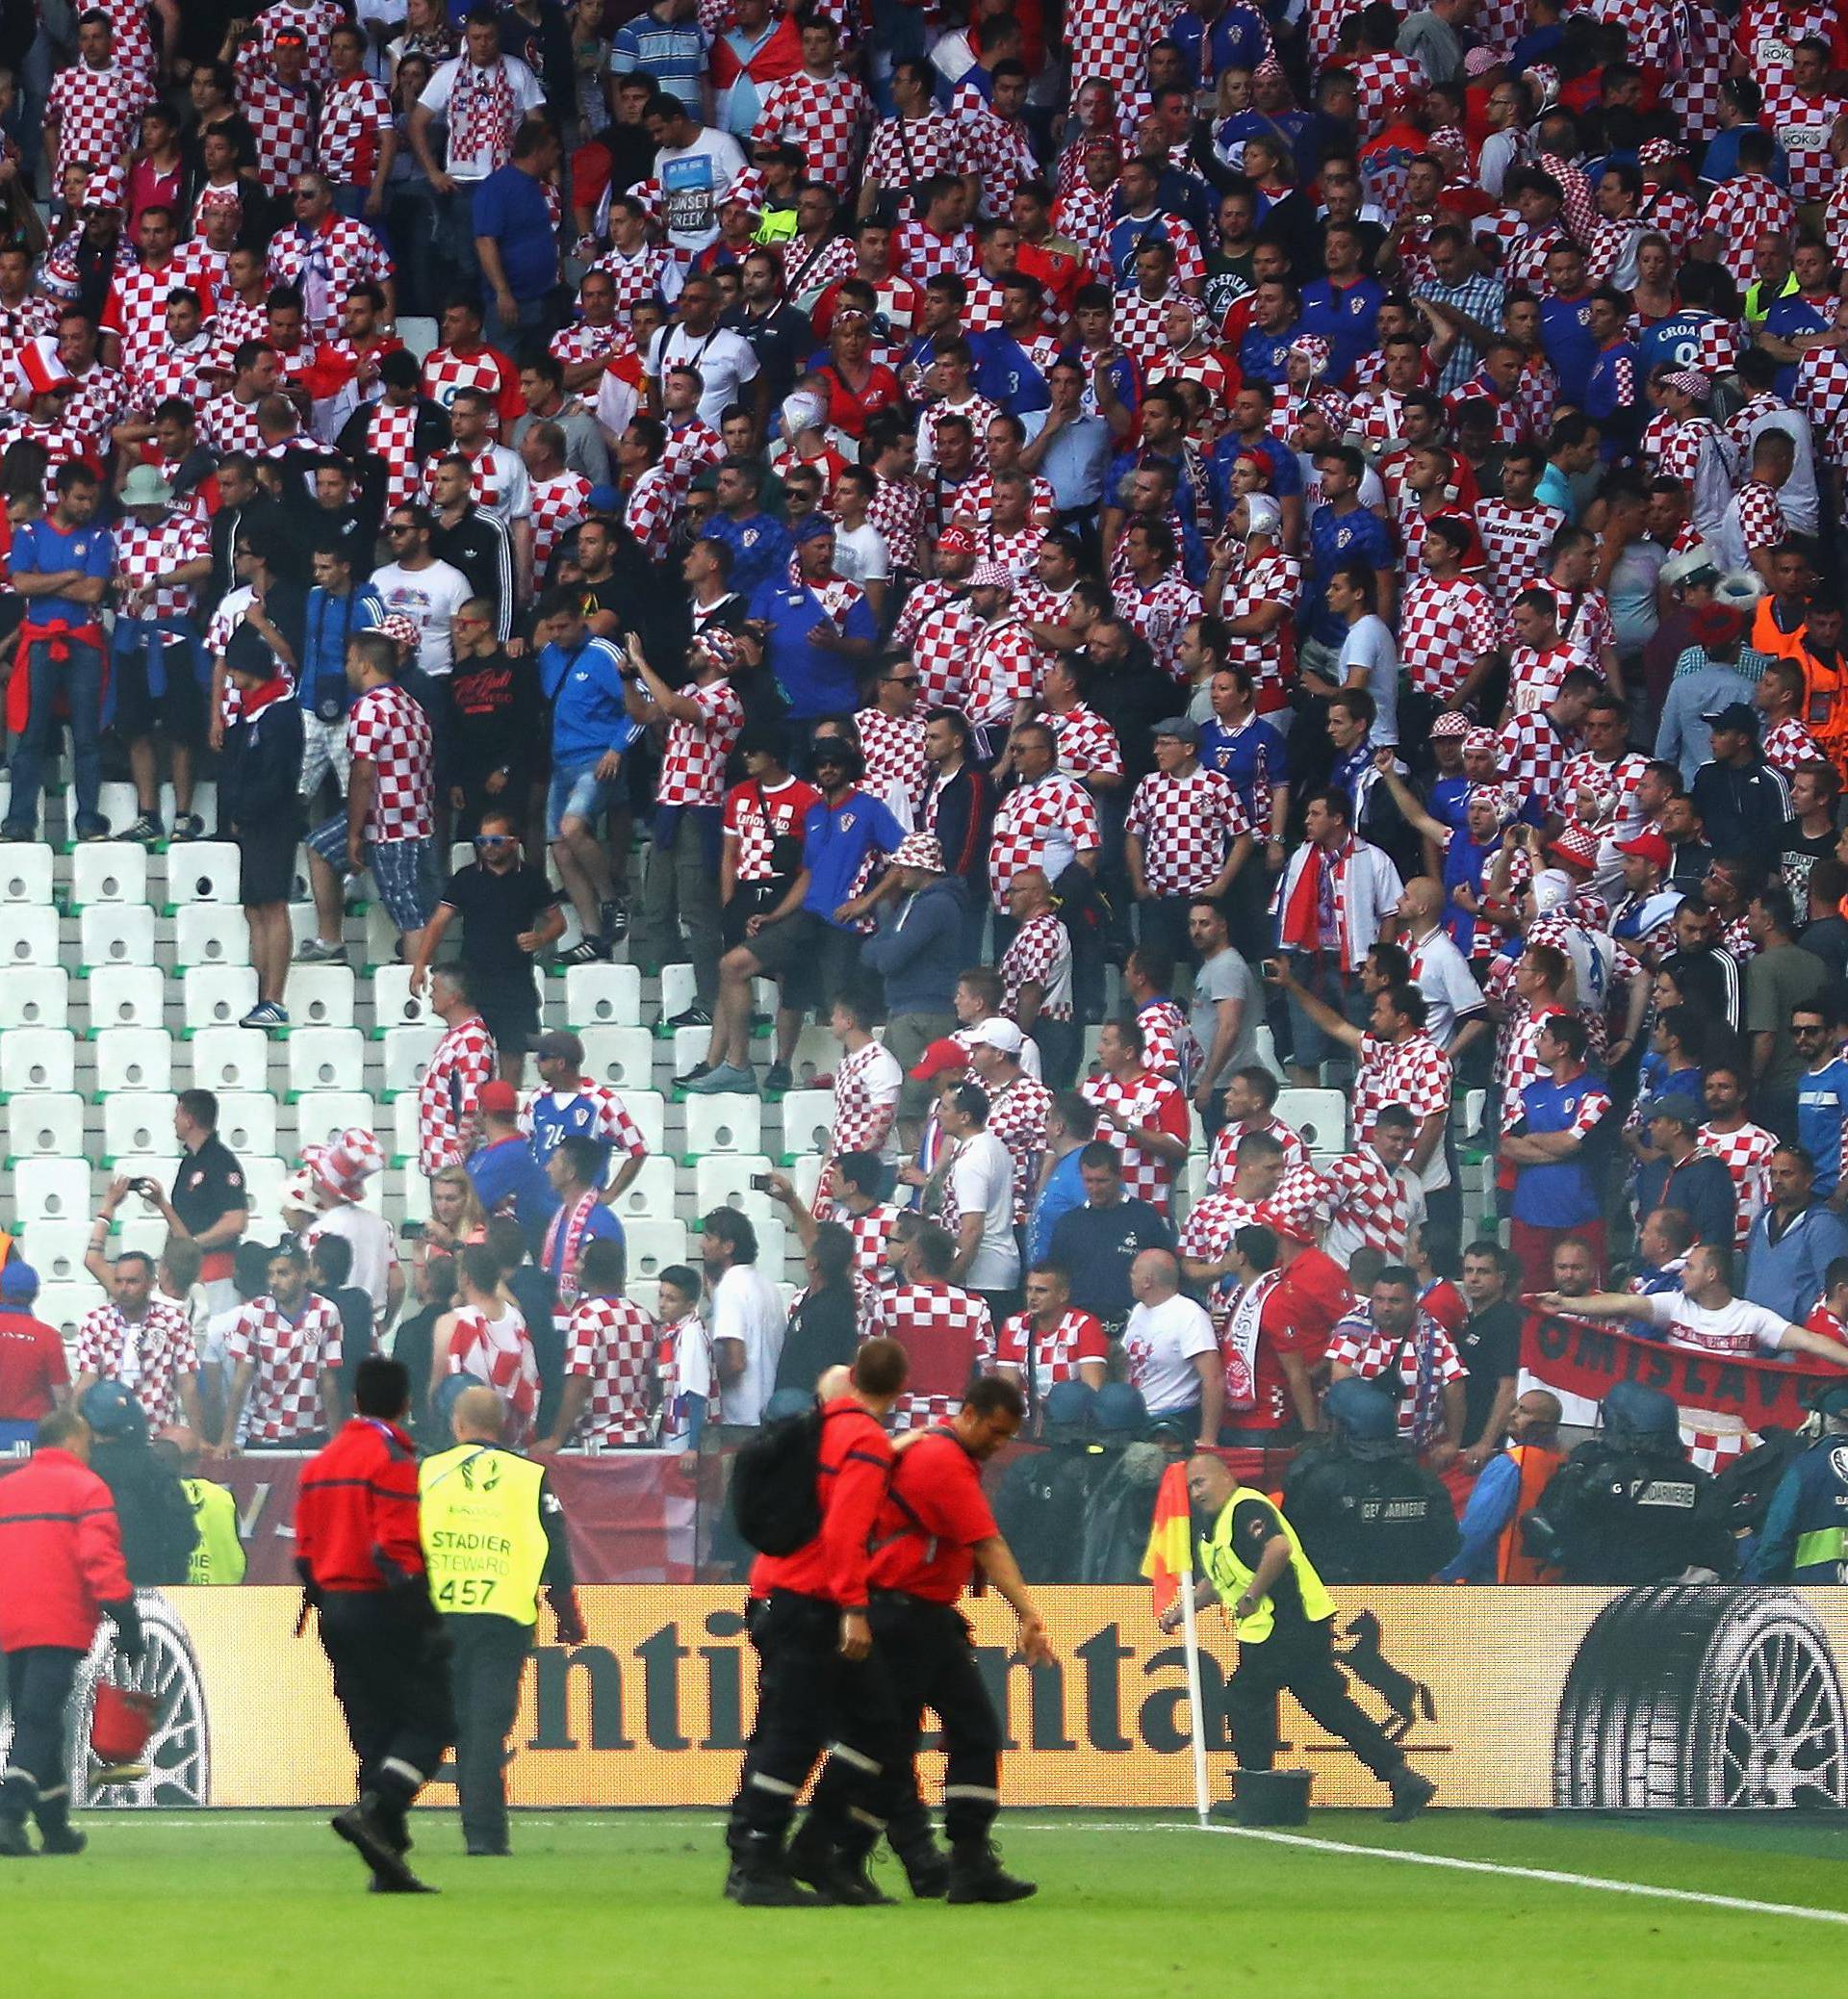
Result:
x=1481 y=738
x=396 y=627
x=992 y=575
x=1658 y=152
x=1453 y=723
x=343 y=1168
x=41 y=369
x=1315 y=350
x=1577 y=844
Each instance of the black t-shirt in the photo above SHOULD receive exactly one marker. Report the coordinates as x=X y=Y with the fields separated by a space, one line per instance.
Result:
x=824 y=1332
x=495 y=911
x=1098 y=1244
x=1799 y=852
x=1489 y=1347
x=1254 y=1526
x=208 y=1185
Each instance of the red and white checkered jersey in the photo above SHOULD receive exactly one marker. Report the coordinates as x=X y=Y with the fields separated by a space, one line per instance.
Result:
x=1017 y=1118
x=500 y=1353
x=1086 y=743
x=1535 y=678
x=558 y=504
x=921 y=254
x=1153 y=1103
x=390 y=436
x=1212 y=1222
x=143 y=553
x=649 y=512
x=388 y=726
x=1056 y=1355
x=1510 y=425
x=637 y=277
x=283 y=121
x=498 y=482
x=1514 y=538
x=584 y=342
x=1186 y=823
x=947 y=1336
x=94 y=110
x=1040 y=955
x=290 y=1359
x=1534 y=753
x=867 y=1082
x=827 y=117
x=1041 y=825
x=136 y=309
x=314 y=23
x=1140 y=323
x=487 y=369
x=1217 y=375
x=1426 y=1362
x=1170 y=1047
x=943 y=642
x=1415 y=1072
x=1222 y=1162
x=1759 y=516
x=1160 y=611
x=893 y=747
x=1610 y=788
x=1017 y=552
x=897 y=511
x=610 y=1343
x=1444 y=629
x=463 y=1061
x=1747 y=1156
x=32 y=318
x=1737 y=938
x=1270 y=657
x=132 y=39
x=1377 y=76
x=239 y=319
x=1741 y=210
x=150 y=1360
x=1787 y=745
x=693 y=762
x=755 y=816
x=1083 y=215
x=1370 y=1205
x=325 y=264
x=979 y=412
x=355 y=115
x=169 y=371
x=60 y=443
x=872 y=1234
x=691 y=447
x=1517 y=1052
x=1000 y=155
x=1006 y=668
x=901 y=160
x=226 y=424
x=1109 y=39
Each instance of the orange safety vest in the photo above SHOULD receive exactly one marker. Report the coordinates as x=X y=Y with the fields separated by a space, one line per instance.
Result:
x=1514 y=1563
x=1825 y=705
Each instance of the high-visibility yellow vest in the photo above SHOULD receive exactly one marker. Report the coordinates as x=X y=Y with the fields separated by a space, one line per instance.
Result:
x=484 y=1545
x=218 y=1555
x=1231 y=1577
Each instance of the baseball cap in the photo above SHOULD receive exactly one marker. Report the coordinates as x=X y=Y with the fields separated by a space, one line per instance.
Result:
x=1648 y=846
x=995 y=1033
x=499 y=1097
x=1735 y=715
x=939 y=1059
x=1674 y=1105
x=558 y=1043
x=19 y=1280
x=1180 y=728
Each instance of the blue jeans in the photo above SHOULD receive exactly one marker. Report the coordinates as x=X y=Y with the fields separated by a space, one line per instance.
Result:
x=1334 y=989
x=80 y=678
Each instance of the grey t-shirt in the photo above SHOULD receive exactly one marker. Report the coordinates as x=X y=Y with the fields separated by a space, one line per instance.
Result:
x=1226 y=976
x=1370 y=644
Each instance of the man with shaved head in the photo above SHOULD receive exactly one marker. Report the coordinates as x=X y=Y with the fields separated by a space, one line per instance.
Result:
x=493 y=1536
x=1455 y=1012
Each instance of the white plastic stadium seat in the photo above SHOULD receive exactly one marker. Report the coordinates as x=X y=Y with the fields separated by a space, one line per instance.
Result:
x=808 y=1121
x=231 y=1058
x=653 y=1246
x=116 y=933
x=126 y=995
x=322 y=1114
x=109 y=871
x=690 y=1044
x=210 y=934
x=806 y=1172
x=393 y=1002
x=723 y=1179
x=413 y=1196
x=603 y=995
x=41 y=1000
x=677 y=991
x=651 y=1196
x=729 y=1123
x=139 y=1120
x=54 y=1249
x=420 y=335
x=205 y=805
x=66 y=1306
x=25 y=873
x=264 y=1180
x=817 y=1052
x=28 y=933
x=326 y=1058
x=40 y=1125
x=623 y=1056
x=203 y=871
x=407 y=1055
x=118 y=804
x=1320 y=1116
x=38 y=1059
x=53 y=1189
x=320 y=995
x=217 y=995
x=404 y=1128
x=132 y=1059
x=647 y=1109
x=1267 y=1052
x=247 y=1121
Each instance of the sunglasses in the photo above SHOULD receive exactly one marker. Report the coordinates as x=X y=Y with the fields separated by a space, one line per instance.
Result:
x=397 y=527
x=495 y=839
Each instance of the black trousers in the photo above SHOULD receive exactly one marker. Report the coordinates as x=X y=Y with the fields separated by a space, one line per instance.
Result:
x=490 y=1657
x=810 y=1700
x=38 y=1681
x=1300 y=1661
x=392 y=1680
x=928 y=1659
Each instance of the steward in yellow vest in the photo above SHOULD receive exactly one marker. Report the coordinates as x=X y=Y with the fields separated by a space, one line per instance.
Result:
x=1283 y=1617
x=218 y=1555
x=493 y=1535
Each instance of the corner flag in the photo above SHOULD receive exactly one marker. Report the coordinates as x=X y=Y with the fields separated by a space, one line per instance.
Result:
x=1170 y=1554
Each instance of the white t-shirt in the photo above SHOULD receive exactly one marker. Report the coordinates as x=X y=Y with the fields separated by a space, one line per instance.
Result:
x=374 y=1247
x=1738 y=1328
x=726 y=361
x=1161 y=1343
x=692 y=178
x=429 y=598
x=980 y=1182
x=1444 y=978
x=861 y=554
x=527 y=96
x=1370 y=644
x=745 y=1306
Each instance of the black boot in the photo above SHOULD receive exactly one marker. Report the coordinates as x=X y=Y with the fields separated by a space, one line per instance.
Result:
x=926 y=1866
x=1411 y=1793
x=834 y=1873
x=760 y=1877
x=55 y=1828
x=15 y=1843
x=377 y=1833
x=977 y=1875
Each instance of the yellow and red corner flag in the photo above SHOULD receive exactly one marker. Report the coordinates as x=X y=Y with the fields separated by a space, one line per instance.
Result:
x=1170 y=1554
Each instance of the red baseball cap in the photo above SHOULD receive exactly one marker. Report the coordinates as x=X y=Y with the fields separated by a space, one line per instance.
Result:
x=1648 y=846
x=501 y=1098
x=941 y=1059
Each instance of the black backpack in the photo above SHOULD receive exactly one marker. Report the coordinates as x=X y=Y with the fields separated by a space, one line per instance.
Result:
x=775 y=1505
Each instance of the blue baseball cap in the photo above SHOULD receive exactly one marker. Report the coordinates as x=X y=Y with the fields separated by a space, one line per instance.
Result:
x=18 y=1281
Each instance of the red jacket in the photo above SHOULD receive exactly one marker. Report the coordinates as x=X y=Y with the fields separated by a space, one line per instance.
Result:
x=61 y=1554
x=356 y=1510
x=855 y=1467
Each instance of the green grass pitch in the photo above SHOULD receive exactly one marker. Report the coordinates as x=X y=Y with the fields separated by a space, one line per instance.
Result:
x=268 y=1906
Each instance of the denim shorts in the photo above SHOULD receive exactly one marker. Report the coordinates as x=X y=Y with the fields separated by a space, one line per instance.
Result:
x=577 y=794
x=404 y=870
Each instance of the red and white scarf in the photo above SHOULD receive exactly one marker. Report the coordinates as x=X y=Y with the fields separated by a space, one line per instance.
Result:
x=1322 y=876
x=566 y=1229
x=1239 y=1344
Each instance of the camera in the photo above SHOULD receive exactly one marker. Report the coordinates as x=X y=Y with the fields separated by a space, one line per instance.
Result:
x=759 y=1183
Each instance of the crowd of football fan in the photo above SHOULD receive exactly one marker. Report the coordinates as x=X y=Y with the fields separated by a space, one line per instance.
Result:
x=1314 y=512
